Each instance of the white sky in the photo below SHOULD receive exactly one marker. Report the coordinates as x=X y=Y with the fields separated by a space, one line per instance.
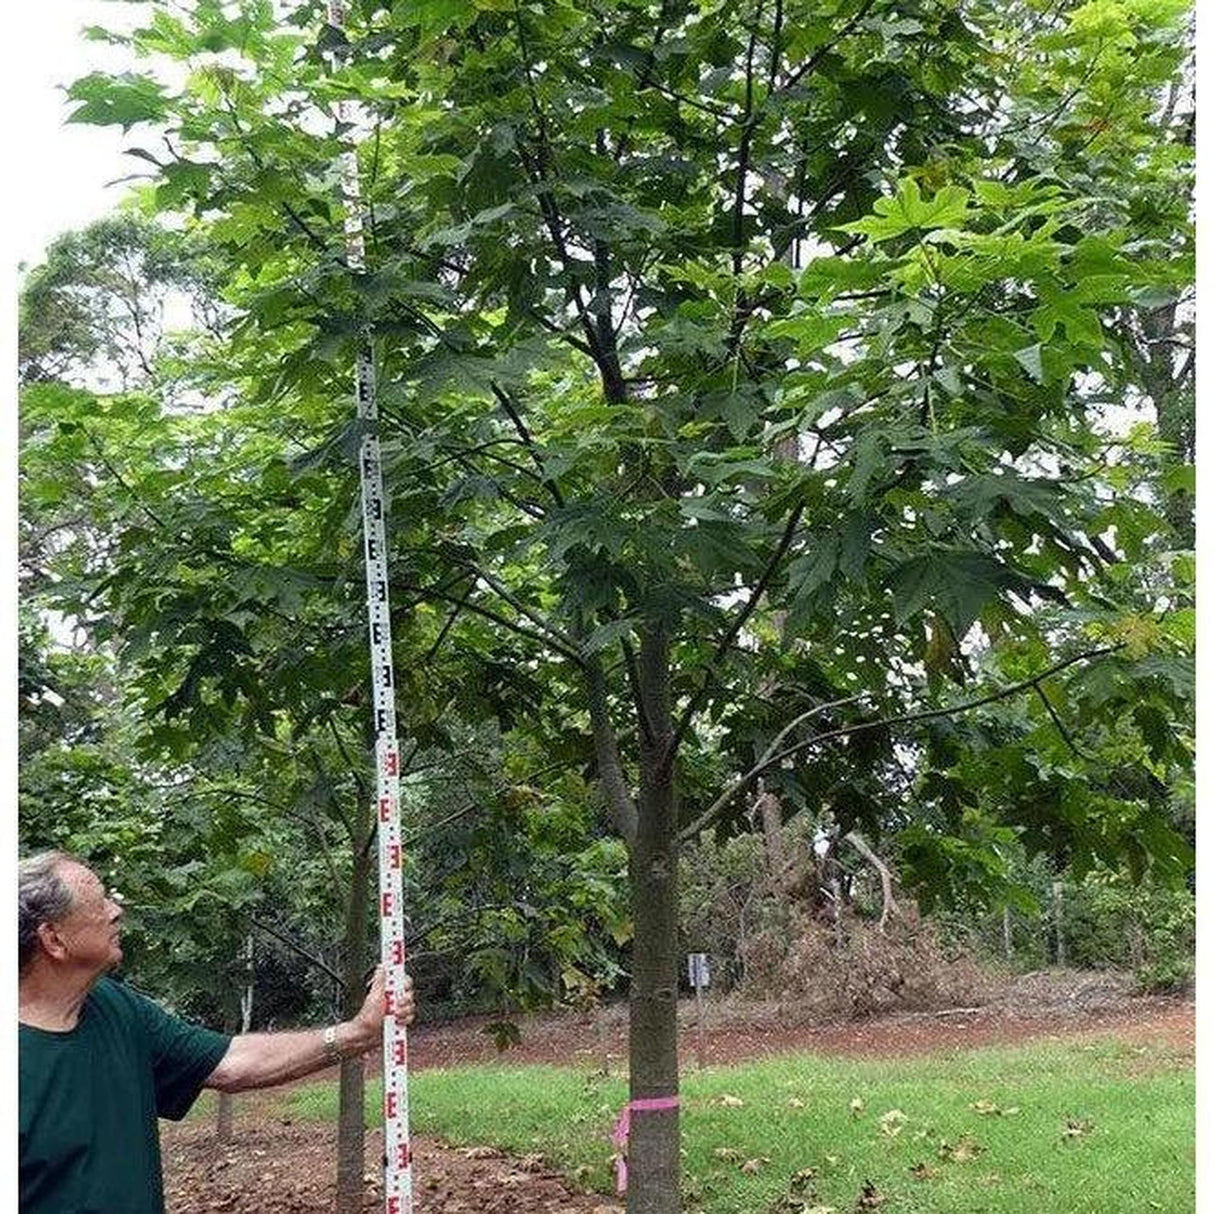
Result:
x=63 y=183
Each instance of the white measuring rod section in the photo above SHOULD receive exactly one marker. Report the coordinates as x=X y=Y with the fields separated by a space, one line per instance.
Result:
x=398 y=1158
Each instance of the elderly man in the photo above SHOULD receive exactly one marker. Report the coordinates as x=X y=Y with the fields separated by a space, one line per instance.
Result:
x=98 y=1063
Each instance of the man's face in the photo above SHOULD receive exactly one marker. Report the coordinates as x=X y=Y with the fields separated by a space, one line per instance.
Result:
x=89 y=931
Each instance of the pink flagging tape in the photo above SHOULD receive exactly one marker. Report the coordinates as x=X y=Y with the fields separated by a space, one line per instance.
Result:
x=623 y=1128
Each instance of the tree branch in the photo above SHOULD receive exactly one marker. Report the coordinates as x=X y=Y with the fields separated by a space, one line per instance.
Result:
x=446 y=628
x=298 y=949
x=771 y=757
x=888 y=904
x=1062 y=729
x=422 y=593
x=748 y=129
x=693 y=705
x=547 y=201
x=109 y=467
x=794 y=78
x=530 y=613
x=511 y=410
x=607 y=755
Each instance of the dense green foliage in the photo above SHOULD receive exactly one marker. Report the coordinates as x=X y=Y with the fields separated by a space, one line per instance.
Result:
x=938 y=378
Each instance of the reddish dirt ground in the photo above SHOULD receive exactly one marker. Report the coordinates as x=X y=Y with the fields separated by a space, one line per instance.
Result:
x=276 y=1167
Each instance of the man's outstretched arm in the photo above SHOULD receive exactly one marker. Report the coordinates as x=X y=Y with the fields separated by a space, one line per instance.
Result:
x=261 y=1060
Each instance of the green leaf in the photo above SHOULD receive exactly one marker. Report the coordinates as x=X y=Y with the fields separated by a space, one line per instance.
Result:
x=123 y=100
x=827 y=276
x=1030 y=359
x=810 y=330
x=855 y=544
x=815 y=568
x=1180 y=478
x=1064 y=305
x=957 y=584
x=908 y=211
x=606 y=635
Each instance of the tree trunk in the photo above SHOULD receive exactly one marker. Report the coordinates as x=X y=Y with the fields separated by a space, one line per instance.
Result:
x=1059 y=933
x=224 y=1115
x=768 y=807
x=653 y=1149
x=603 y=1040
x=351 y=1115
x=226 y=1110
x=1136 y=943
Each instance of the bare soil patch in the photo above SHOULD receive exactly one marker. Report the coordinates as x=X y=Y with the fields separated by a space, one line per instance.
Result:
x=1046 y=1003
x=276 y=1167
x=279 y=1167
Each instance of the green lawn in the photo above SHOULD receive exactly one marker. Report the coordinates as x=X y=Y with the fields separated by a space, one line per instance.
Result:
x=1093 y=1127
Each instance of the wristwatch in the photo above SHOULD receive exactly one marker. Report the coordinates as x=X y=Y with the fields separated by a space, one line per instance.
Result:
x=332 y=1050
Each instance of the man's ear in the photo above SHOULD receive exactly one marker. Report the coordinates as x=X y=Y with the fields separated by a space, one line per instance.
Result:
x=53 y=944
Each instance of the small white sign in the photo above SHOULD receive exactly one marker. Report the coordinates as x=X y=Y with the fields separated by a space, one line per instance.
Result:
x=697 y=970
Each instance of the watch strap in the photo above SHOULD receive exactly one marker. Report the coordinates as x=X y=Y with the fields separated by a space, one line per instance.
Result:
x=332 y=1050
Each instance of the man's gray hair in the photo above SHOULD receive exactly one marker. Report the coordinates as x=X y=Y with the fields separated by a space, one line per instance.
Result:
x=42 y=897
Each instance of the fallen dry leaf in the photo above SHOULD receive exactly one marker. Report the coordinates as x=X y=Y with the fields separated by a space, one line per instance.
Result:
x=794 y=1103
x=856 y=1106
x=869 y=1198
x=924 y=1171
x=727 y=1153
x=1076 y=1127
x=965 y=1148
x=751 y=1166
x=731 y=1102
x=892 y=1122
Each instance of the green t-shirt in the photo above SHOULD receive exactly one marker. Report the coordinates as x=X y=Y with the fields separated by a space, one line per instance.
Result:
x=88 y=1100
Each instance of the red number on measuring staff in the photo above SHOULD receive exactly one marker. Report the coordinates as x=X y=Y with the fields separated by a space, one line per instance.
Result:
x=393 y=1205
x=391 y=763
x=390 y=1106
x=402 y=1155
x=396 y=952
x=399 y=1054
x=394 y=855
x=385 y=808
x=386 y=904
